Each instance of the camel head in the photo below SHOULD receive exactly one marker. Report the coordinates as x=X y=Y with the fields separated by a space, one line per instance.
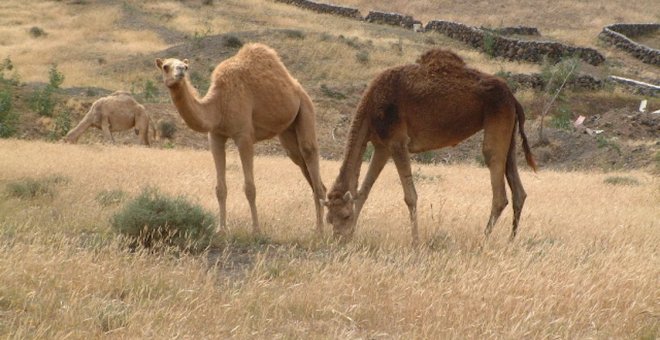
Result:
x=174 y=70
x=341 y=214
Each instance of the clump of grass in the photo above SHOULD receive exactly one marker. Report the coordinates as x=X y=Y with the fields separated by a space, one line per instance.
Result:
x=111 y=197
x=489 y=44
x=604 y=142
x=37 y=32
x=166 y=129
x=621 y=180
x=232 y=41
x=426 y=157
x=328 y=92
x=362 y=56
x=113 y=315
x=30 y=188
x=153 y=220
x=150 y=91
x=293 y=34
x=368 y=152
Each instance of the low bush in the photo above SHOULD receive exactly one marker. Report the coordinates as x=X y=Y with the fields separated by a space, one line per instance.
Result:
x=154 y=220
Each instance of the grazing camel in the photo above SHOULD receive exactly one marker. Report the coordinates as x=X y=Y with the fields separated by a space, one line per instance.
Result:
x=434 y=103
x=116 y=112
x=252 y=97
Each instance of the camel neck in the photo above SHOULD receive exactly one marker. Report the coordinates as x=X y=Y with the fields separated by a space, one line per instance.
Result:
x=187 y=102
x=349 y=172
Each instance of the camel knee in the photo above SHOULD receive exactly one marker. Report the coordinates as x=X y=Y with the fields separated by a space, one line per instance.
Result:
x=309 y=150
x=221 y=192
x=250 y=191
x=411 y=199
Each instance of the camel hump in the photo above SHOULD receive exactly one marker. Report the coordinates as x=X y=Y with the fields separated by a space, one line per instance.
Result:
x=440 y=59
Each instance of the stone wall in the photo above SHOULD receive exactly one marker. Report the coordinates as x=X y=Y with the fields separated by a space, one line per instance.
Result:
x=619 y=36
x=512 y=49
x=536 y=82
x=514 y=30
x=489 y=41
x=394 y=19
x=325 y=8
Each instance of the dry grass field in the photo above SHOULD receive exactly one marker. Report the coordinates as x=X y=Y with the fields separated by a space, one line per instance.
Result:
x=585 y=264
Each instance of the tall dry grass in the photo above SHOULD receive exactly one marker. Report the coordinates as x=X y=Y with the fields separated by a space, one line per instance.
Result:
x=585 y=264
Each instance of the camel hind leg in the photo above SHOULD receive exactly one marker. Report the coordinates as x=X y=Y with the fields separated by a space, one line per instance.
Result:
x=305 y=133
x=289 y=141
x=517 y=191
x=498 y=128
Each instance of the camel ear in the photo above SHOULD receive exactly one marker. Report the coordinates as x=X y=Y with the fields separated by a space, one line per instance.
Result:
x=159 y=63
x=348 y=197
x=185 y=61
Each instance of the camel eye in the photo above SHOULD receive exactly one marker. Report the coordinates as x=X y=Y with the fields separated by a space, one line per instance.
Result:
x=166 y=68
x=185 y=67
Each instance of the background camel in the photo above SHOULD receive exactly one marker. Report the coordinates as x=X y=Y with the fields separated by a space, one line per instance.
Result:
x=116 y=112
x=431 y=104
x=252 y=97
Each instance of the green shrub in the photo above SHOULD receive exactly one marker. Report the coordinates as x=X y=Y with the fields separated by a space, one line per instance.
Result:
x=62 y=125
x=8 y=118
x=29 y=188
x=153 y=219
x=55 y=78
x=42 y=101
x=489 y=44
x=7 y=66
x=166 y=129
x=110 y=197
x=562 y=120
x=150 y=91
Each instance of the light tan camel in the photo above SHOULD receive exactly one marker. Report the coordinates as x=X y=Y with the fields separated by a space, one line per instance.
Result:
x=116 y=112
x=433 y=103
x=252 y=97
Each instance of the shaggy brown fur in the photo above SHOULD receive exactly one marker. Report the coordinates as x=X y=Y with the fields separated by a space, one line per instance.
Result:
x=252 y=97
x=117 y=112
x=431 y=104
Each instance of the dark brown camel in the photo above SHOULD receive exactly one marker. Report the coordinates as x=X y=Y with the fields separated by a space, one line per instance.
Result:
x=434 y=103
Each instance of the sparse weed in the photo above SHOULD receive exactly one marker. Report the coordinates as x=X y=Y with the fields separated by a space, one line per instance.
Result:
x=562 y=120
x=426 y=157
x=55 y=78
x=30 y=188
x=42 y=102
x=621 y=180
x=201 y=82
x=153 y=220
x=603 y=142
x=111 y=197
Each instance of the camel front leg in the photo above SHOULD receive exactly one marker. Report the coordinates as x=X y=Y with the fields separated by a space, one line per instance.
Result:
x=246 y=151
x=378 y=160
x=217 y=144
x=401 y=159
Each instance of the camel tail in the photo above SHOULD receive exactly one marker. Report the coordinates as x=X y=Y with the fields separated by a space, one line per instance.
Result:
x=520 y=114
